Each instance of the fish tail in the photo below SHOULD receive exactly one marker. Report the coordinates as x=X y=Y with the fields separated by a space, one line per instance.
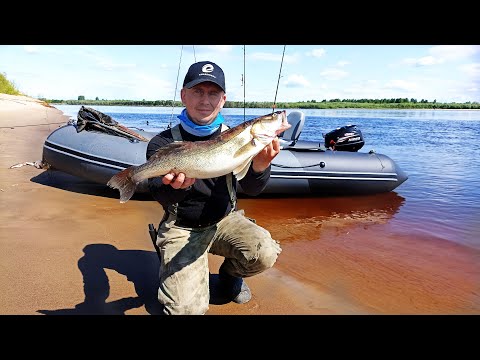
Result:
x=124 y=183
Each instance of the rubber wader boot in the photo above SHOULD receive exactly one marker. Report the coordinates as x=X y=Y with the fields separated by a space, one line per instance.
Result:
x=234 y=288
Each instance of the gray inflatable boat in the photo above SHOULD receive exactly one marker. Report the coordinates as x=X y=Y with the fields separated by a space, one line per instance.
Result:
x=301 y=167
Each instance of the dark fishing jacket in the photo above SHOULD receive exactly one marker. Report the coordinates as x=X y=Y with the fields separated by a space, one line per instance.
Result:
x=208 y=200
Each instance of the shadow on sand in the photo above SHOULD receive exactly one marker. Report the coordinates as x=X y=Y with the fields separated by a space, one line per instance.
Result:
x=139 y=266
x=64 y=181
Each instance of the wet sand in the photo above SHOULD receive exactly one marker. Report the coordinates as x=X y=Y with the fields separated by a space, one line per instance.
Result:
x=70 y=247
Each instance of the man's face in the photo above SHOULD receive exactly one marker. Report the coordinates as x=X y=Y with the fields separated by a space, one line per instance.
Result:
x=203 y=102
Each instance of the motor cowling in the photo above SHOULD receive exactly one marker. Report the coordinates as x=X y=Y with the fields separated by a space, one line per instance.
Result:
x=345 y=138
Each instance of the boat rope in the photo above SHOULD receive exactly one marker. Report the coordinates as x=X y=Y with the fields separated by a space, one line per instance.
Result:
x=378 y=157
x=371 y=152
x=296 y=167
x=39 y=164
x=176 y=86
x=278 y=82
x=21 y=126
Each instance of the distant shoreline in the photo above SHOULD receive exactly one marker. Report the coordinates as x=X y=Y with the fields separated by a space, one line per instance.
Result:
x=293 y=108
x=400 y=104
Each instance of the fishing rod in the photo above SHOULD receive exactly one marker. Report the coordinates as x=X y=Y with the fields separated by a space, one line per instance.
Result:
x=176 y=86
x=278 y=82
x=243 y=82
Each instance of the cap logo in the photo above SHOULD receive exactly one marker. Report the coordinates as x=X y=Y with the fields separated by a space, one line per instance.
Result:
x=207 y=68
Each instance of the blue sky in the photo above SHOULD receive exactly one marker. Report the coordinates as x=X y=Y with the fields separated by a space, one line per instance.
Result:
x=446 y=73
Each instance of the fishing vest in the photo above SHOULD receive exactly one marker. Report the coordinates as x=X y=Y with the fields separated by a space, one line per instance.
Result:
x=177 y=136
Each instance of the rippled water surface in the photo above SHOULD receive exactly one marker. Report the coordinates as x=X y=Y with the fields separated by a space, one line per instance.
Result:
x=438 y=149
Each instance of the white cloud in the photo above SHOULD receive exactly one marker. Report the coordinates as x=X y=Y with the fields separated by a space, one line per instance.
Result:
x=453 y=52
x=217 y=48
x=333 y=74
x=111 y=66
x=444 y=53
x=295 y=81
x=318 y=53
x=31 y=49
x=472 y=70
x=400 y=85
x=423 y=61
x=273 y=57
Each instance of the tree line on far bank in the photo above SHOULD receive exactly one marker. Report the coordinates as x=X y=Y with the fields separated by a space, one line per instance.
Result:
x=398 y=103
x=8 y=87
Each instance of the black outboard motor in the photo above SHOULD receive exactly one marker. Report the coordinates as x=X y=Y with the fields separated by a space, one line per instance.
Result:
x=345 y=138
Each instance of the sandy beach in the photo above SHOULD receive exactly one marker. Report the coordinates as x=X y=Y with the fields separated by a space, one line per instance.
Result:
x=69 y=247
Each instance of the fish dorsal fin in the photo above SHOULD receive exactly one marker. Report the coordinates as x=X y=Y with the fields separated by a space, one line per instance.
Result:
x=241 y=171
x=174 y=147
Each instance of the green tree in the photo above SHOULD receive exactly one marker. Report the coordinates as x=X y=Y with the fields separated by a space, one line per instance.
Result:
x=8 y=87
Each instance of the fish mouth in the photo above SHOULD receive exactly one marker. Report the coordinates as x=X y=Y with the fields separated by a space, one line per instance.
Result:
x=284 y=125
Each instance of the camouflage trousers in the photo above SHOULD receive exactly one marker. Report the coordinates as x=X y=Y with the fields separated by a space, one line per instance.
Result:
x=184 y=273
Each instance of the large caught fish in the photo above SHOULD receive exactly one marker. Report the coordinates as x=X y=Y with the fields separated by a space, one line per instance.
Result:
x=231 y=151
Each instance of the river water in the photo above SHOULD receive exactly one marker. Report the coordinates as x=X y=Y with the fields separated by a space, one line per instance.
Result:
x=438 y=149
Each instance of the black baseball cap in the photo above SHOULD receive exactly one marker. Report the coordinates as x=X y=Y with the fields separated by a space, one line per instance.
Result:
x=204 y=71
